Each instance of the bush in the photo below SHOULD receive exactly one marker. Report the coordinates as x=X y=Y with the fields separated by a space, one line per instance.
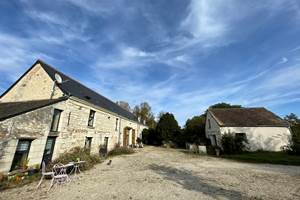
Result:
x=294 y=147
x=120 y=151
x=151 y=137
x=233 y=143
x=73 y=155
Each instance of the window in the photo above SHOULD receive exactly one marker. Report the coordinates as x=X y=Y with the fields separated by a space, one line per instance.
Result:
x=106 y=142
x=88 y=143
x=117 y=120
x=21 y=154
x=55 y=120
x=209 y=124
x=91 y=118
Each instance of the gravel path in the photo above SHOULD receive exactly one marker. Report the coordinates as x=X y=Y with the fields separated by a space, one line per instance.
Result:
x=158 y=173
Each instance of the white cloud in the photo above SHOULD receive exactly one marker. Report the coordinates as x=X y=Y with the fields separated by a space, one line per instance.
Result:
x=204 y=19
x=16 y=55
x=283 y=60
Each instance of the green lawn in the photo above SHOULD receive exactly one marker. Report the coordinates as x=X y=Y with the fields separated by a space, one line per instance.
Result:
x=266 y=157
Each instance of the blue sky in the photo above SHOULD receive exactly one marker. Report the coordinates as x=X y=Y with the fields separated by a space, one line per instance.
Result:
x=180 y=56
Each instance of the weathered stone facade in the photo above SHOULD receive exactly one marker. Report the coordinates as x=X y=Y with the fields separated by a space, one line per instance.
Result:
x=73 y=126
x=35 y=85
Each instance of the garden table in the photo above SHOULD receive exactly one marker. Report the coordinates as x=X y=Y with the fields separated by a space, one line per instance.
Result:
x=76 y=168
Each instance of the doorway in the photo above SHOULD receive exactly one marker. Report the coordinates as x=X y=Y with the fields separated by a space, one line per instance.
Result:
x=126 y=137
x=49 y=149
x=133 y=137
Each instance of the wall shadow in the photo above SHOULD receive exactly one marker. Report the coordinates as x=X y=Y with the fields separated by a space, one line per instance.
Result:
x=189 y=181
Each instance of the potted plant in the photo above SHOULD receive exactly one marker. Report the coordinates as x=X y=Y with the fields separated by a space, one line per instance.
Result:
x=33 y=169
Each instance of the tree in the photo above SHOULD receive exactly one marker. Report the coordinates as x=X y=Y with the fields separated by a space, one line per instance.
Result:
x=161 y=113
x=225 y=105
x=125 y=105
x=194 y=129
x=168 y=129
x=292 y=119
x=144 y=113
x=294 y=123
x=151 y=137
x=295 y=140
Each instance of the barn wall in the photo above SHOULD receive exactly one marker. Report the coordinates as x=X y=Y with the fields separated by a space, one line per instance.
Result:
x=263 y=138
x=35 y=85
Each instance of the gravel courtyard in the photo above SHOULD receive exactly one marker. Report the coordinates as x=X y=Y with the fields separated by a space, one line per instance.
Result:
x=158 y=173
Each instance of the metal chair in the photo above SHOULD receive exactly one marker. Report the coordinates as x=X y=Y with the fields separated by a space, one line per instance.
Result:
x=60 y=175
x=44 y=173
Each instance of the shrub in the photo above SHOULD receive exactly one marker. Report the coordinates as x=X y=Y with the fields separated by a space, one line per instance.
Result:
x=294 y=147
x=228 y=143
x=120 y=151
x=73 y=155
x=233 y=143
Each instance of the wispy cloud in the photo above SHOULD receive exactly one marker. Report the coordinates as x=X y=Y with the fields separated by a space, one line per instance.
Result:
x=198 y=53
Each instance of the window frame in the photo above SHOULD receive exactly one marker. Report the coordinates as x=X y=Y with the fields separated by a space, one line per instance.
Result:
x=209 y=124
x=91 y=122
x=117 y=124
x=89 y=140
x=20 y=154
x=58 y=121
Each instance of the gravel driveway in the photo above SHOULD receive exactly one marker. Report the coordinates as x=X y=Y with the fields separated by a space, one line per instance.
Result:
x=158 y=173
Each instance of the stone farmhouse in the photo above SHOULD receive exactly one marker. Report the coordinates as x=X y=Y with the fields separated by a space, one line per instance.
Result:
x=42 y=117
x=263 y=129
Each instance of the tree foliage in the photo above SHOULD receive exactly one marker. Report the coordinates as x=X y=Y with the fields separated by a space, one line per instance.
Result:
x=294 y=122
x=125 y=105
x=194 y=130
x=225 y=105
x=144 y=113
x=150 y=136
x=233 y=143
x=168 y=128
x=292 y=119
x=295 y=140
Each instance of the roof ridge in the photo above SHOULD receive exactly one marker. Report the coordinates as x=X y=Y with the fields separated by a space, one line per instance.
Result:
x=245 y=108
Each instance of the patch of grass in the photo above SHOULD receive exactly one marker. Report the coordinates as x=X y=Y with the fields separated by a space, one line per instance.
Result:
x=266 y=157
x=121 y=151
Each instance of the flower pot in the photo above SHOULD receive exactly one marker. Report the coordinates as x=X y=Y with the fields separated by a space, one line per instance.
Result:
x=31 y=172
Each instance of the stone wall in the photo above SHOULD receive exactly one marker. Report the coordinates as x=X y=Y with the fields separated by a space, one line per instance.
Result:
x=34 y=86
x=33 y=125
x=72 y=131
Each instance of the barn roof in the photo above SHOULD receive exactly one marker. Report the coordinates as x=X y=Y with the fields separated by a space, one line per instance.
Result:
x=247 y=117
x=71 y=87
x=11 y=109
x=74 y=88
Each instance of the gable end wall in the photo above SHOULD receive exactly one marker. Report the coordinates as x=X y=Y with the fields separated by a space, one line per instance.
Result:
x=35 y=85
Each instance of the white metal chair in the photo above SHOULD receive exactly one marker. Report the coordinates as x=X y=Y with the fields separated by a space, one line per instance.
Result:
x=60 y=175
x=44 y=173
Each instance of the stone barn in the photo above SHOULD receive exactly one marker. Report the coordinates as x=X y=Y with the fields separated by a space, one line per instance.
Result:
x=263 y=129
x=42 y=117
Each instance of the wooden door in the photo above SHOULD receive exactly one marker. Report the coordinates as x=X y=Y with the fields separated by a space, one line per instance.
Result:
x=49 y=148
x=125 y=137
x=133 y=137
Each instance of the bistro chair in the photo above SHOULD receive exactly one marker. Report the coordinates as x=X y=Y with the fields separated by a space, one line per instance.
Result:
x=60 y=175
x=44 y=173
